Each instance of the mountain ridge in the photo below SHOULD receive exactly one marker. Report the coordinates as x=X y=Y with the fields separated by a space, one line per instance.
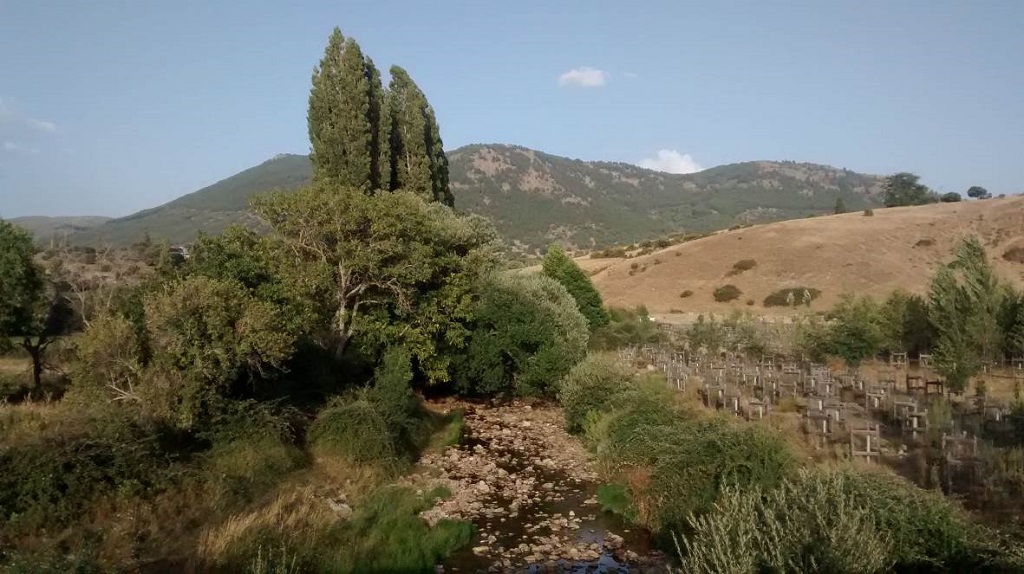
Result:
x=535 y=198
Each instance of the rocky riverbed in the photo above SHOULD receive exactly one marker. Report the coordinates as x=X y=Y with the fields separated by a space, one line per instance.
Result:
x=530 y=490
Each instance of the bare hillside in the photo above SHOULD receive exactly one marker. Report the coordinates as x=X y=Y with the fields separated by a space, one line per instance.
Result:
x=897 y=247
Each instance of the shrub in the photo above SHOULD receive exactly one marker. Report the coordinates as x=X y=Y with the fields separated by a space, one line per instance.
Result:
x=805 y=525
x=750 y=302
x=51 y=479
x=869 y=212
x=685 y=294
x=741 y=266
x=527 y=333
x=854 y=334
x=627 y=327
x=791 y=296
x=673 y=463
x=352 y=428
x=1014 y=254
x=560 y=267
x=594 y=385
x=726 y=293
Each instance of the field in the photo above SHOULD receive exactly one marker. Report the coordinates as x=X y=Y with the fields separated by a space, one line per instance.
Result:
x=836 y=254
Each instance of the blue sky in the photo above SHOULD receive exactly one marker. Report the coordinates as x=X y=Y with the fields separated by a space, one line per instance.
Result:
x=108 y=107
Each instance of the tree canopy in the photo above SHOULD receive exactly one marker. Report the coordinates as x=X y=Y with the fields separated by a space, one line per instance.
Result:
x=389 y=267
x=903 y=189
x=978 y=192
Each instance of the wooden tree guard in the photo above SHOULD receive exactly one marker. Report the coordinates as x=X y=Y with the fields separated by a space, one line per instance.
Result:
x=915 y=383
x=898 y=360
x=865 y=439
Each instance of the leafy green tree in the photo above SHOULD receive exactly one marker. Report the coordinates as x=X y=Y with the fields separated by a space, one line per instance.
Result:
x=418 y=163
x=1011 y=322
x=344 y=117
x=978 y=192
x=527 y=334
x=21 y=281
x=853 y=334
x=903 y=189
x=560 y=267
x=33 y=309
x=388 y=269
x=951 y=197
x=840 y=206
x=964 y=308
x=205 y=335
x=903 y=320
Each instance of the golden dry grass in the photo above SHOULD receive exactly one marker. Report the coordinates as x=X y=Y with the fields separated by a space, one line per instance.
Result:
x=897 y=247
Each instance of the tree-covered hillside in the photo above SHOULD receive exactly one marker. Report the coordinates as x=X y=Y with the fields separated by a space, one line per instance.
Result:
x=535 y=198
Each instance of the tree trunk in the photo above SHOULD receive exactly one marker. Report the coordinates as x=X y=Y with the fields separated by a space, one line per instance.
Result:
x=36 y=352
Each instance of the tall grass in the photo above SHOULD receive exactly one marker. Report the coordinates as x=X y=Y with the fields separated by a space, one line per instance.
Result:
x=298 y=532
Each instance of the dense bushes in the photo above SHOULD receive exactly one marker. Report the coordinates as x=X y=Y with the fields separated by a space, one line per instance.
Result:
x=791 y=296
x=50 y=479
x=741 y=266
x=726 y=293
x=839 y=521
x=665 y=462
x=626 y=327
x=527 y=333
x=593 y=386
x=560 y=267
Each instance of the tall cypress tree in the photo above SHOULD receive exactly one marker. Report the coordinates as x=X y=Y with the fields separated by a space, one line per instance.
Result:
x=417 y=153
x=344 y=116
x=560 y=267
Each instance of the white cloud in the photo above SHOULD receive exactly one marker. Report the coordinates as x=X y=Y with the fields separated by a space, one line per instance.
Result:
x=9 y=116
x=671 y=161
x=583 y=78
x=42 y=125
x=18 y=148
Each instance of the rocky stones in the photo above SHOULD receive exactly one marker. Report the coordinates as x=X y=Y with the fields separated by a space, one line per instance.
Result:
x=518 y=462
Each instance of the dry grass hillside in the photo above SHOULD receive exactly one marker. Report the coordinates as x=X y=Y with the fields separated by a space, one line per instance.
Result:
x=897 y=247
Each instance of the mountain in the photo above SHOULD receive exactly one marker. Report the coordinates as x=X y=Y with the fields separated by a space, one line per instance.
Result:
x=46 y=227
x=835 y=254
x=536 y=198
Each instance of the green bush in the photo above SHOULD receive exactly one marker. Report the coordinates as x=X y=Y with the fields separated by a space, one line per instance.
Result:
x=50 y=480
x=594 y=385
x=674 y=463
x=726 y=293
x=627 y=327
x=527 y=333
x=741 y=266
x=781 y=298
x=686 y=293
x=840 y=521
x=353 y=428
x=560 y=267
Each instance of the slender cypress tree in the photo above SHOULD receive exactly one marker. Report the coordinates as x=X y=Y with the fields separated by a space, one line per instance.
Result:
x=417 y=153
x=344 y=116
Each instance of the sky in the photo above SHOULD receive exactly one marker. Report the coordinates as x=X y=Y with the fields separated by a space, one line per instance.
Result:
x=112 y=106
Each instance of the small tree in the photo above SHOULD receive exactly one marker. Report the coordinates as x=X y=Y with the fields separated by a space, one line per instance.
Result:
x=840 y=206
x=388 y=267
x=854 y=335
x=964 y=308
x=560 y=267
x=33 y=309
x=903 y=189
x=978 y=192
x=951 y=197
